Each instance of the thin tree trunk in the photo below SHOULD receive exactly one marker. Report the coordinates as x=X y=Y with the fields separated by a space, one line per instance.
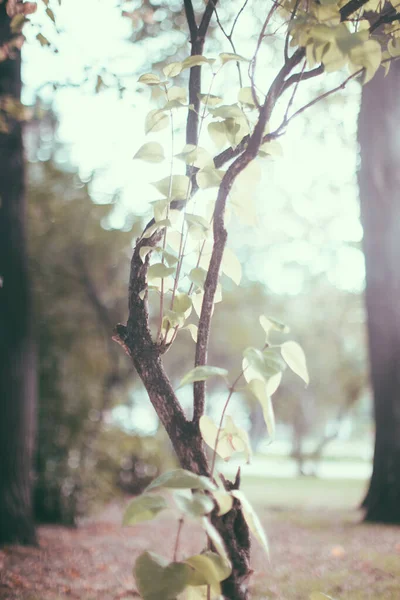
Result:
x=17 y=362
x=379 y=180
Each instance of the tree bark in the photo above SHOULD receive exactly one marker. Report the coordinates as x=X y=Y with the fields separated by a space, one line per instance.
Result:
x=17 y=355
x=379 y=182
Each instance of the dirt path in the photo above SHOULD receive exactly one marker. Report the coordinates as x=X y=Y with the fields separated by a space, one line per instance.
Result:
x=325 y=551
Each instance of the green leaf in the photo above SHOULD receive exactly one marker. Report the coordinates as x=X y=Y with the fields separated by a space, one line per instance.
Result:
x=181 y=479
x=202 y=374
x=196 y=60
x=156 y=120
x=217 y=132
x=224 y=501
x=198 y=277
x=263 y=365
x=231 y=266
x=295 y=358
x=157 y=579
x=367 y=55
x=208 y=569
x=193 y=329
x=145 y=250
x=196 y=506
x=177 y=188
x=198 y=226
x=252 y=519
x=259 y=389
x=209 y=177
x=177 y=93
x=149 y=79
x=245 y=96
x=209 y=99
x=182 y=303
x=196 y=156
x=143 y=508
x=153 y=228
x=151 y=152
x=228 y=56
x=159 y=271
x=269 y=324
x=319 y=596
x=215 y=538
x=173 y=69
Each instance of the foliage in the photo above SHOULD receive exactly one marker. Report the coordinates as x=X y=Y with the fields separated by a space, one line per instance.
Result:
x=182 y=252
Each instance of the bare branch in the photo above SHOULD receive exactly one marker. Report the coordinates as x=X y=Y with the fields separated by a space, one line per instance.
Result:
x=350 y=8
x=191 y=19
x=197 y=38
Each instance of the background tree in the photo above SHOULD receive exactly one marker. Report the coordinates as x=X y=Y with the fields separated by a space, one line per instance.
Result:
x=380 y=215
x=17 y=353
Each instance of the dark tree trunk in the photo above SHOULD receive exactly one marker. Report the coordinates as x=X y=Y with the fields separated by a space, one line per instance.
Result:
x=17 y=368
x=379 y=180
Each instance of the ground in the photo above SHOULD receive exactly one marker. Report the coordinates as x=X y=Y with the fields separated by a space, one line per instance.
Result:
x=316 y=538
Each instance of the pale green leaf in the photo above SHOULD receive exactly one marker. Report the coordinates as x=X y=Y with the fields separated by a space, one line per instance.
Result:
x=196 y=60
x=182 y=303
x=159 y=271
x=210 y=569
x=177 y=93
x=252 y=519
x=198 y=277
x=181 y=479
x=269 y=324
x=209 y=433
x=149 y=79
x=231 y=266
x=320 y=595
x=367 y=55
x=193 y=329
x=156 y=120
x=215 y=538
x=196 y=156
x=173 y=69
x=273 y=383
x=245 y=96
x=157 y=579
x=197 y=505
x=295 y=358
x=177 y=187
x=224 y=501
x=228 y=56
x=209 y=177
x=151 y=152
x=209 y=99
x=217 y=132
x=202 y=373
x=259 y=390
x=153 y=228
x=265 y=364
x=143 y=508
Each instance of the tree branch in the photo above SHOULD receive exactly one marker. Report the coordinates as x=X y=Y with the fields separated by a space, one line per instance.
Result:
x=197 y=38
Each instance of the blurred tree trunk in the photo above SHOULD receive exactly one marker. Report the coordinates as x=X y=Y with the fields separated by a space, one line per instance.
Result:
x=379 y=181
x=17 y=367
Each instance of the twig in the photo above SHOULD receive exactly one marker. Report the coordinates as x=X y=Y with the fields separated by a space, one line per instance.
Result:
x=178 y=535
x=231 y=391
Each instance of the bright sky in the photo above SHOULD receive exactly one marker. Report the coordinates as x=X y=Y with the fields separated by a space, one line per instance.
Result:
x=315 y=176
